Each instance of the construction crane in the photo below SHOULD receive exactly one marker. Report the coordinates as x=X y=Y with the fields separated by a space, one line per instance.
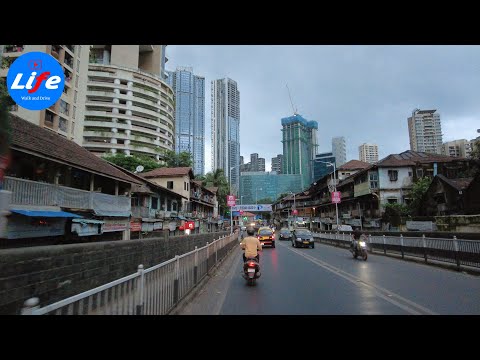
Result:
x=295 y=111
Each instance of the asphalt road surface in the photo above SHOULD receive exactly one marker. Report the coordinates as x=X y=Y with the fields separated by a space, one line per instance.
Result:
x=327 y=280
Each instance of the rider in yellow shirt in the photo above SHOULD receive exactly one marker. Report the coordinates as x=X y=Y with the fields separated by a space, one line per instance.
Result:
x=251 y=245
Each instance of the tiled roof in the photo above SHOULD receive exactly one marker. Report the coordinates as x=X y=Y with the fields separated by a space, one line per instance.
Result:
x=459 y=183
x=354 y=165
x=178 y=171
x=32 y=138
x=212 y=189
x=410 y=158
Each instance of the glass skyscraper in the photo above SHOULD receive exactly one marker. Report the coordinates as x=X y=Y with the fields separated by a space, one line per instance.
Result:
x=226 y=130
x=320 y=168
x=257 y=185
x=189 y=115
x=299 y=138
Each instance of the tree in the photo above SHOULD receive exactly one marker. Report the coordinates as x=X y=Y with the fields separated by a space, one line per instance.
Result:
x=419 y=189
x=282 y=195
x=218 y=179
x=172 y=159
x=394 y=213
x=130 y=163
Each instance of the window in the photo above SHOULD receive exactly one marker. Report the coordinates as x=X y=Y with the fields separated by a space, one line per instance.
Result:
x=75 y=96
x=76 y=81
x=73 y=113
x=62 y=124
x=393 y=175
x=419 y=173
x=410 y=174
x=392 y=201
x=154 y=203
x=184 y=185
x=169 y=184
x=78 y=66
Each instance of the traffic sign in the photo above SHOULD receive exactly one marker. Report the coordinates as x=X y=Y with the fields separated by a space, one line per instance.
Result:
x=336 y=195
x=231 y=200
x=254 y=207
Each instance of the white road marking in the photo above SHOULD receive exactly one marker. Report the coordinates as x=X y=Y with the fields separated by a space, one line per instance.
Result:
x=409 y=306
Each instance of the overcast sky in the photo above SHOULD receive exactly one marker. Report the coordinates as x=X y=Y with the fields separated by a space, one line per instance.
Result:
x=364 y=93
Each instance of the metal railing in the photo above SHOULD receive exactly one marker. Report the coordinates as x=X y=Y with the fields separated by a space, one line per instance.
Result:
x=153 y=291
x=28 y=192
x=454 y=251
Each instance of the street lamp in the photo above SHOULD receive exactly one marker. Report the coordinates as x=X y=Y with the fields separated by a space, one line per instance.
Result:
x=231 y=212
x=334 y=183
x=256 y=194
x=294 y=207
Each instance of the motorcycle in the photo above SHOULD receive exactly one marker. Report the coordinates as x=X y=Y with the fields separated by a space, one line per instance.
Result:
x=359 y=250
x=251 y=270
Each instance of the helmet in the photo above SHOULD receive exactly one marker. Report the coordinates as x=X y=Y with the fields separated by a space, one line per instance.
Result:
x=250 y=231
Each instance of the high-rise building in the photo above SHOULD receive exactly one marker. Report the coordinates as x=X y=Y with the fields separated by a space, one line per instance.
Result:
x=299 y=138
x=277 y=163
x=425 y=131
x=458 y=148
x=241 y=160
x=226 y=129
x=258 y=185
x=368 y=153
x=189 y=92
x=129 y=107
x=321 y=166
x=256 y=163
x=261 y=164
x=65 y=117
x=339 y=150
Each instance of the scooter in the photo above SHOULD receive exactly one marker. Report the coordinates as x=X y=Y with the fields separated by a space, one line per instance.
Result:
x=251 y=270
x=359 y=250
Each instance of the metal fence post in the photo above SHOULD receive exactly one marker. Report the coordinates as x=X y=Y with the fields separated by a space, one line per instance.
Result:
x=401 y=245
x=370 y=243
x=140 y=288
x=207 y=255
x=384 y=245
x=29 y=306
x=457 y=257
x=215 y=247
x=176 y=280
x=195 y=268
x=424 y=242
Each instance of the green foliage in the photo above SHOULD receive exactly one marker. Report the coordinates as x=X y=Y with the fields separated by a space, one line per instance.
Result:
x=476 y=150
x=218 y=179
x=394 y=213
x=419 y=189
x=172 y=159
x=282 y=195
x=130 y=163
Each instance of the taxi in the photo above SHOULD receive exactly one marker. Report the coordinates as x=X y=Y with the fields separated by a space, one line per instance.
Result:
x=266 y=236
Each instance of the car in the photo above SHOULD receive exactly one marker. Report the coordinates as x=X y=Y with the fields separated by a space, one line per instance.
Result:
x=285 y=234
x=266 y=236
x=302 y=238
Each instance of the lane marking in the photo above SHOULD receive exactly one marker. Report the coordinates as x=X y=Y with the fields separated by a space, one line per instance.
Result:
x=393 y=298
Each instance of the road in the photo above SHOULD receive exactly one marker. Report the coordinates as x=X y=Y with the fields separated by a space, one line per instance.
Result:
x=327 y=281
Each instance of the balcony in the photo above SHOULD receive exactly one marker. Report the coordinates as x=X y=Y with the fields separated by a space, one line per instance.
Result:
x=140 y=212
x=27 y=192
x=13 y=48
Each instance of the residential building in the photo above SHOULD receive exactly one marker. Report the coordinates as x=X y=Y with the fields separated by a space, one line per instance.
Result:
x=350 y=168
x=425 y=131
x=321 y=166
x=256 y=164
x=198 y=202
x=129 y=107
x=65 y=117
x=339 y=150
x=457 y=148
x=63 y=192
x=368 y=153
x=277 y=164
x=262 y=185
x=189 y=92
x=226 y=130
x=299 y=139
x=457 y=196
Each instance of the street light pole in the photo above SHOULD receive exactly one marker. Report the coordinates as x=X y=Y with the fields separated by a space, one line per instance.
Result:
x=231 y=212
x=334 y=183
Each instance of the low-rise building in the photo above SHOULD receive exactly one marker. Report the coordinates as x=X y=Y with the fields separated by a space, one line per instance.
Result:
x=61 y=191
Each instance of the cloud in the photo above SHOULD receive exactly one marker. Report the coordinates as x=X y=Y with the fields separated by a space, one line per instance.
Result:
x=365 y=93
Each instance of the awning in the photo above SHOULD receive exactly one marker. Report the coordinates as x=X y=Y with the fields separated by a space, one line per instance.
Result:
x=88 y=221
x=181 y=217
x=51 y=214
x=123 y=214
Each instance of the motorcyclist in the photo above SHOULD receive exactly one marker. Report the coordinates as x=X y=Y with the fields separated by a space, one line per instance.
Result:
x=251 y=245
x=355 y=239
